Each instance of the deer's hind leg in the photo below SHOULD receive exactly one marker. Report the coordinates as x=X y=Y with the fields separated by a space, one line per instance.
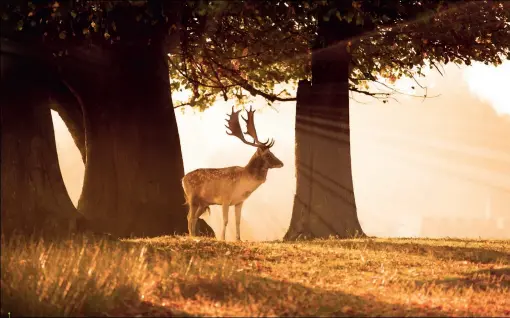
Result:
x=195 y=211
x=198 y=212
x=192 y=216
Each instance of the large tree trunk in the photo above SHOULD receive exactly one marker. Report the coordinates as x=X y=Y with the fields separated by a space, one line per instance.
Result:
x=34 y=197
x=132 y=184
x=324 y=203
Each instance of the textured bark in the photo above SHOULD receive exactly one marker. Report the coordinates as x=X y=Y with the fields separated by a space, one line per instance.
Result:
x=132 y=184
x=34 y=197
x=324 y=203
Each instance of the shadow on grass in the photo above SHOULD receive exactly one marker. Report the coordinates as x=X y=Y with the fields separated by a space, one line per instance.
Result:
x=483 y=280
x=263 y=295
x=33 y=283
x=456 y=253
x=267 y=296
x=123 y=302
x=259 y=295
x=273 y=297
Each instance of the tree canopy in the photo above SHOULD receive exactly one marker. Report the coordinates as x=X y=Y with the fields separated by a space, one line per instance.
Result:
x=229 y=49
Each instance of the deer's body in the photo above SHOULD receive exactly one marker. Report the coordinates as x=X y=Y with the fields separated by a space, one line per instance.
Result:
x=228 y=186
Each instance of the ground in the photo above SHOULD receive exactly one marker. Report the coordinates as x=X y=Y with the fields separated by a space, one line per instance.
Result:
x=189 y=276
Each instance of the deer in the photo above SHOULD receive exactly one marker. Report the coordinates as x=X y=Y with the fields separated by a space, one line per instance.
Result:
x=229 y=186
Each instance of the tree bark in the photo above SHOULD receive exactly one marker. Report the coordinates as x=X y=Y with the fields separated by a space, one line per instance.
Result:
x=34 y=197
x=324 y=203
x=134 y=167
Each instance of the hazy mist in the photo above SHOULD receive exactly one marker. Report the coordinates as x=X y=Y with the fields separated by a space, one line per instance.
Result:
x=422 y=167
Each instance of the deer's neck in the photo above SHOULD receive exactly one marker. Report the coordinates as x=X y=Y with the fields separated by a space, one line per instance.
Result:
x=257 y=168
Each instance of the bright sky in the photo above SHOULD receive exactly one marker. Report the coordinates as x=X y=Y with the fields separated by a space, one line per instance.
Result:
x=490 y=85
x=447 y=156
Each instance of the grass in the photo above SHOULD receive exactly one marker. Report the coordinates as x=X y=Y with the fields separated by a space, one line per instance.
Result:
x=182 y=276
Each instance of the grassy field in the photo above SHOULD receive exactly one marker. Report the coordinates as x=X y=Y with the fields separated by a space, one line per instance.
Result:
x=183 y=276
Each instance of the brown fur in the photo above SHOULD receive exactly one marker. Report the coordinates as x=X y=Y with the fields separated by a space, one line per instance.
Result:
x=225 y=186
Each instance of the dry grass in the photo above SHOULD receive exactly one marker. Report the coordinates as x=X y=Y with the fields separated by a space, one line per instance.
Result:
x=183 y=276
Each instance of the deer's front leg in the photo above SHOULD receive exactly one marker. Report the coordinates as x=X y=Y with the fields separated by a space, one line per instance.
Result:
x=238 y=221
x=225 y=220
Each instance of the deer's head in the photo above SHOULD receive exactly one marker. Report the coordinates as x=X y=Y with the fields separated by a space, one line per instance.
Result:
x=268 y=159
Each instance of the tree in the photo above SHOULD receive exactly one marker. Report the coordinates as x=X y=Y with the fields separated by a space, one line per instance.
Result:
x=353 y=43
x=132 y=182
x=230 y=49
x=34 y=197
x=133 y=172
x=362 y=41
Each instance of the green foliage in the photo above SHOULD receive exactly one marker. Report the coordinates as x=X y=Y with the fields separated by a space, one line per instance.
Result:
x=240 y=50
x=234 y=49
x=432 y=34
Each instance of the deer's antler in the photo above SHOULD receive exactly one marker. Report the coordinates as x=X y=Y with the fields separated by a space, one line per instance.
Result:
x=235 y=128
x=250 y=126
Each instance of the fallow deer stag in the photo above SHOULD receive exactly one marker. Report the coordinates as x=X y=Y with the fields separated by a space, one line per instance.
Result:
x=231 y=185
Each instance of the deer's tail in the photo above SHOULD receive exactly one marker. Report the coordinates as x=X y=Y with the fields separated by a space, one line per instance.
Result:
x=187 y=199
x=185 y=194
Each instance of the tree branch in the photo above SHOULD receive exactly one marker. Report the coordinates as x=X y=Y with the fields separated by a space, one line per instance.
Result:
x=250 y=88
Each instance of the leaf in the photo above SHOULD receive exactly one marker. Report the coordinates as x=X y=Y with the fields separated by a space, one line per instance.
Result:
x=283 y=43
x=359 y=20
x=350 y=16
x=339 y=16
